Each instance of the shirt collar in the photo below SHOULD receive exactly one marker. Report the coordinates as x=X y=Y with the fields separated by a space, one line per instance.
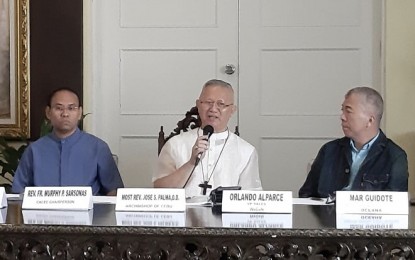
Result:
x=217 y=136
x=365 y=146
x=220 y=136
x=70 y=138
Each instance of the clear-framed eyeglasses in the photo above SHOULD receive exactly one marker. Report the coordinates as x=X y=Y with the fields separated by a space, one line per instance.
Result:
x=220 y=104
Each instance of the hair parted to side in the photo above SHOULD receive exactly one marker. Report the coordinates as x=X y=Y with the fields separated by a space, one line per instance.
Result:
x=371 y=96
x=52 y=94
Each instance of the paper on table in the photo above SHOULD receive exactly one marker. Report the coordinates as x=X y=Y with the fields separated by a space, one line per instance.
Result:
x=104 y=199
x=198 y=201
x=14 y=196
x=310 y=201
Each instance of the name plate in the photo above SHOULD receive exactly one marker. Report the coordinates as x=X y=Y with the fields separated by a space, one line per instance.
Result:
x=372 y=202
x=3 y=197
x=147 y=199
x=369 y=221
x=257 y=201
x=151 y=219
x=234 y=220
x=54 y=217
x=58 y=198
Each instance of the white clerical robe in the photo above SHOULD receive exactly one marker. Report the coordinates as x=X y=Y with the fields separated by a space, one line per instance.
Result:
x=229 y=161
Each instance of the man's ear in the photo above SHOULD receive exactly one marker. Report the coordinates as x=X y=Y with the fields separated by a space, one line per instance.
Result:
x=234 y=108
x=197 y=104
x=80 y=113
x=372 y=120
x=47 y=112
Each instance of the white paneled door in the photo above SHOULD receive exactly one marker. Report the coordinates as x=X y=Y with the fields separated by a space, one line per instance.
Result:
x=297 y=60
x=294 y=60
x=151 y=58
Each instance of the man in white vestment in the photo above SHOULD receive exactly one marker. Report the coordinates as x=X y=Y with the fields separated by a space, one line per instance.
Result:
x=200 y=163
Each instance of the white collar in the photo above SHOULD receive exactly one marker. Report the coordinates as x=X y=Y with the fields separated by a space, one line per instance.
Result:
x=220 y=136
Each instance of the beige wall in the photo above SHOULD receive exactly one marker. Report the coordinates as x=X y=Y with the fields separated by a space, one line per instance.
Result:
x=400 y=78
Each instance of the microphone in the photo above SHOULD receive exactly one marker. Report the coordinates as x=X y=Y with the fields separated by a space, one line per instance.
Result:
x=207 y=130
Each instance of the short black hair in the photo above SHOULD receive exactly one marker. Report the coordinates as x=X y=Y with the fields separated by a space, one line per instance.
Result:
x=51 y=95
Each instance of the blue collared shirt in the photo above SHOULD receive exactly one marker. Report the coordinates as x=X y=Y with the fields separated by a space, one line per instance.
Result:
x=78 y=160
x=358 y=156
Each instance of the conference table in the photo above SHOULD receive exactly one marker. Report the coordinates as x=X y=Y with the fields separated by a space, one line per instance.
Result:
x=312 y=231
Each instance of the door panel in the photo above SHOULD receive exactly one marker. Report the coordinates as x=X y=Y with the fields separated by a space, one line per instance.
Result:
x=151 y=59
x=294 y=61
x=297 y=60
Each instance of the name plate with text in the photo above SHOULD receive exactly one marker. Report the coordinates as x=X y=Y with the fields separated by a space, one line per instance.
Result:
x=372 y=202
x=370 y=221
x=3 y=197
x=257 y=201
x=58 y=198
x=246 y=220
x=57 y=217
x=147 y=199
x=151 y=219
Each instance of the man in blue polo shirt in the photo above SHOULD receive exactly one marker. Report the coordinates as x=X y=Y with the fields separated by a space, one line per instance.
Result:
x=365 y=159
x=67 y=156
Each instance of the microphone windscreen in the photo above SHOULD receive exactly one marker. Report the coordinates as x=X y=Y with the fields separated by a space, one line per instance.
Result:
x=208 y=130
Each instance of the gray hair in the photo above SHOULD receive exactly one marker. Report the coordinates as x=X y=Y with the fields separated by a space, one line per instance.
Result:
x=371 y=97
x=218 y=82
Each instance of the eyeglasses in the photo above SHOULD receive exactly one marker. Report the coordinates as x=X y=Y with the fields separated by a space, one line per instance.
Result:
x=219 y=104
x=60 y=109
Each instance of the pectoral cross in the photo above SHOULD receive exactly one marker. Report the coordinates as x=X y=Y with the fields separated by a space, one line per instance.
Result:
x=205 y=185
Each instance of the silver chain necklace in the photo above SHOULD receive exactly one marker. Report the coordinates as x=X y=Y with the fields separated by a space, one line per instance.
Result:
x=205 y=184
